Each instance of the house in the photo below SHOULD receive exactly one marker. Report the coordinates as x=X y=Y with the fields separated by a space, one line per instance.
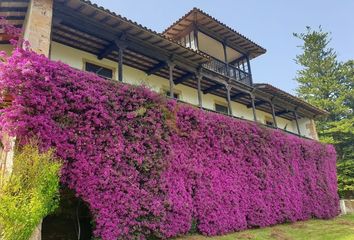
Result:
x=198 y=59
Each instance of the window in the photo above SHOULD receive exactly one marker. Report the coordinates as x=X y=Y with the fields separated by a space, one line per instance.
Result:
x=175 y=95
x=221 y=108
x=99 y=70
x=269 y=121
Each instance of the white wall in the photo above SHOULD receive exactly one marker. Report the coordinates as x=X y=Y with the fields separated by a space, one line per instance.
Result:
x=76 y=59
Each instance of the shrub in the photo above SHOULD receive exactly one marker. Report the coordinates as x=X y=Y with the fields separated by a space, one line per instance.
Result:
x=29 y=194
x=149 y=167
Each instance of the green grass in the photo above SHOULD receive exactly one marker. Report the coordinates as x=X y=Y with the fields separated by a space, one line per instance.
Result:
x=340 y=228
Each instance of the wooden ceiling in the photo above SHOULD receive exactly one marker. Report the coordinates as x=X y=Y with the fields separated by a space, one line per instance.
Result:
x=85 y=26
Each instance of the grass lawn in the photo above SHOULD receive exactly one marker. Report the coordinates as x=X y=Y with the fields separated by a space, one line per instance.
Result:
x=340 y=228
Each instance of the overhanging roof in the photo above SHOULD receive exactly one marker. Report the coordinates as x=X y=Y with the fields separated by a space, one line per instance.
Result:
x=287 y=97
x=219 y=30
x=117 y=23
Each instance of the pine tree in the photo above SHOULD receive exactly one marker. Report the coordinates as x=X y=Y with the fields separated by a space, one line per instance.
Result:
x=328 y=84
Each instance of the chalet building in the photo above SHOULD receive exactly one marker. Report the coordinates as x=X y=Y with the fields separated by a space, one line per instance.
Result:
x=198 y=59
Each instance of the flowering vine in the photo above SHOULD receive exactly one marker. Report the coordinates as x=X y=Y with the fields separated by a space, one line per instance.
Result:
x=147 y=166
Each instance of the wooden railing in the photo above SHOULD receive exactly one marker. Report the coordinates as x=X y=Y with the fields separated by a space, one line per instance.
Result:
x=242 y=119
x=228 y=70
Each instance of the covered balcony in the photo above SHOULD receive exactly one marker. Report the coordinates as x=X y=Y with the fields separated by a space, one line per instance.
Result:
x=230 y=70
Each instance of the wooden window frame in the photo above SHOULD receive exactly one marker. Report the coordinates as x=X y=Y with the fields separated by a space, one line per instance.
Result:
x=114 y=77
x=164 y=90
x=221 y=104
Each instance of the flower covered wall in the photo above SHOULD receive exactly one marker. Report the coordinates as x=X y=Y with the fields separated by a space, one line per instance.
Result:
x=150 y=167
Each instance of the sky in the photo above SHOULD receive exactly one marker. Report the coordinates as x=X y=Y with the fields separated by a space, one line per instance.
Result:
x=270 y=23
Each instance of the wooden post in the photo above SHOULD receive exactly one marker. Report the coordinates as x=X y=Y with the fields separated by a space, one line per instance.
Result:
x=171 y=66
x=199 y=87
x=225 y=58
x=121 y=45
x=196 y=43
x=253 y=107
x=37 y=26
x=120 y=63
x=273 y=114
x=249 y=69
x=297 y=122
x=195 y=31
x=228 y=90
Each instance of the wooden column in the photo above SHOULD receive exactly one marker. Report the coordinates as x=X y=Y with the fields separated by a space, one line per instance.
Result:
x=253 y=107
x=120 y=63
x=121 y=46
x=195 y=31
x=37 y=26
x=225 y=59
x=196 y=43
x=228 y=96
x=273 y=114
x=199 y=77
x=297 y=122
x=171 y=66
x=249 y=69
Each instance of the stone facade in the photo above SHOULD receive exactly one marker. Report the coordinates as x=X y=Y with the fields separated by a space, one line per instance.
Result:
x=38 y=24
x=37 y=30
x=6 y=157
x=347 y=206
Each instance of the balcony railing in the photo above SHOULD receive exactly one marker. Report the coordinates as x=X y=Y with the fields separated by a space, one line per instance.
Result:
x=243 y=119
x=229 y=71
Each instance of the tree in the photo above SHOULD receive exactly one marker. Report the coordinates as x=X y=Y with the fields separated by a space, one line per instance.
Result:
x=328 y=83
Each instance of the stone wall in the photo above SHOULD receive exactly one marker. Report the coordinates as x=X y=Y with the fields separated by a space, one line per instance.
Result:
x=347 y=206
x=38 y=25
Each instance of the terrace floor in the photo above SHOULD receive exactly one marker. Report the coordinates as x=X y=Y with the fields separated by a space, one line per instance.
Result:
x=340 y=228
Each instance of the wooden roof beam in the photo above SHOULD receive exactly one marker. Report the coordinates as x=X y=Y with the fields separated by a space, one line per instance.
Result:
x=279 y=113
x=93 y=27
x=183 y=78
x=105 y=52
x=116 y=44
x=238 y=95
x=156 y=68
x=259 y=103
x=212 y=88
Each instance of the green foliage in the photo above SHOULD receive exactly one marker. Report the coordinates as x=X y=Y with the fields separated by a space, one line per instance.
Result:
x=29 y=194
x=327 y=83
x=346 y=178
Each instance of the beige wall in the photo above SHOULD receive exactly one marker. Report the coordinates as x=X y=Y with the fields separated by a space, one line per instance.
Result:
x=215 y=48
x=76 y=59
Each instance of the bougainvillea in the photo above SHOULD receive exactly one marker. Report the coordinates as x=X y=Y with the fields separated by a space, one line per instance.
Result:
x=147 y=166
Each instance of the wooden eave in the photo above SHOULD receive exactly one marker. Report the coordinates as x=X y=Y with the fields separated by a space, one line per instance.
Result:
x=304 y=108
x=216 y=29
x=88 y=27
x=116 y=24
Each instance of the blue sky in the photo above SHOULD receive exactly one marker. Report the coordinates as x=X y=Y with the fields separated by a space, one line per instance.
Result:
x=268 y=23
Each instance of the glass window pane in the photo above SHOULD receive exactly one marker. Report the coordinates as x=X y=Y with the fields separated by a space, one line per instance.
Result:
x=99 y=70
